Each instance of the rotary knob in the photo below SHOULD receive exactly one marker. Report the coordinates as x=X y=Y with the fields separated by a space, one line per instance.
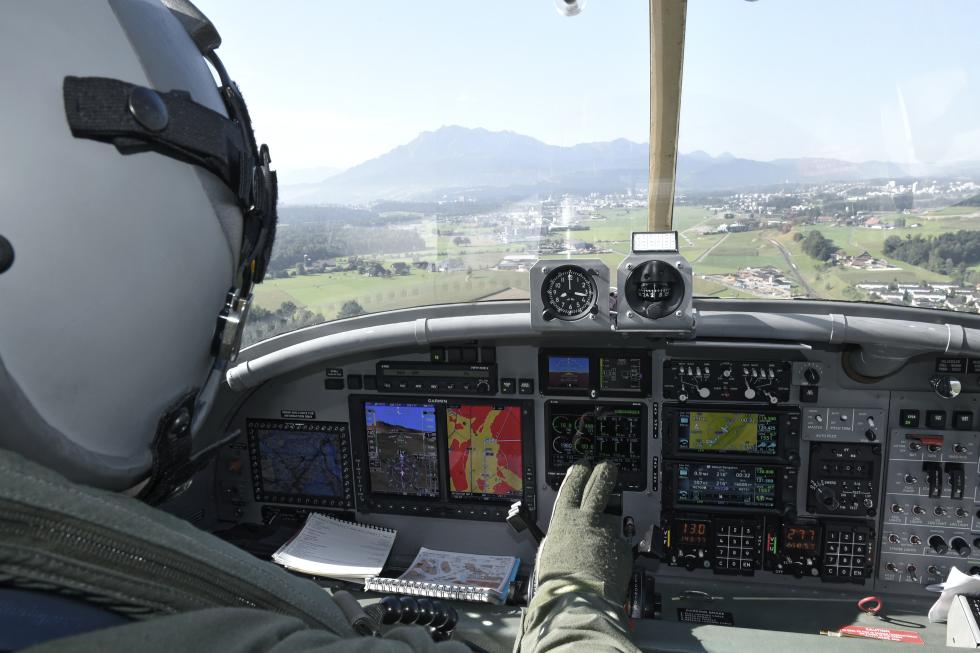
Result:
x=703 y=392
x=947 y=387
x=749 y=393
x=812 y=375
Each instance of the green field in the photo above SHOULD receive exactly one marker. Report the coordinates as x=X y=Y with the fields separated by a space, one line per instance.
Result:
x=715 y=254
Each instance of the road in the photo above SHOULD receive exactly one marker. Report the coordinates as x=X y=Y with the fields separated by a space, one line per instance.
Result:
x=810 y=292
x=711 y=249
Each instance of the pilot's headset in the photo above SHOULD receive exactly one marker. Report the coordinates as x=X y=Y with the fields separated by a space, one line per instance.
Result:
x=137 y=213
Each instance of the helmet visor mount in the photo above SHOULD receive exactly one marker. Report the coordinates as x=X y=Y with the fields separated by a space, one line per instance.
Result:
x=139 y=119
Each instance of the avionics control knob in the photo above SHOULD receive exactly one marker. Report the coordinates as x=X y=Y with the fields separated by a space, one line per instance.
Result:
x=933 y=569
x=939 y=511
x=750 y=393
x=726 y=372
x=938 y=544
x=812 y=375
x=946 y=387
x=897 y=508
x=703 y=392
x=962 y=549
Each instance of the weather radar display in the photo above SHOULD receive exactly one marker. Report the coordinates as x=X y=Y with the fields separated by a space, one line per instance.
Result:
x=484 y=451
x=403 y=455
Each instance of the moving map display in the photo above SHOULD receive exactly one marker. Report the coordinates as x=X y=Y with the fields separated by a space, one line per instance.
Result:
x=724 y=432
x=299 y=461
x=706 y=484
x=403 y=454
x=484 y=444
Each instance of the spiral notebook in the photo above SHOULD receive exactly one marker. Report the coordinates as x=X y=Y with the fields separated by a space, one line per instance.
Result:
x=333 y=548
x=449 y=575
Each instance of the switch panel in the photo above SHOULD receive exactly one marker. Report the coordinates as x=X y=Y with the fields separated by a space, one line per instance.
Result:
x=930 y=512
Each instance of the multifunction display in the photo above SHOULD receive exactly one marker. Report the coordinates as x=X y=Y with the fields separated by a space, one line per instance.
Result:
x=706 y=484
x=442 y=457
x=595 y=373
x=712 y=433
x=485 y=451
x=744 y=433
x=300 y=462
x=594 y=432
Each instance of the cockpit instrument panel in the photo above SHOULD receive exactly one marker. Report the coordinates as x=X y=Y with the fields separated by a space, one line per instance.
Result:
x=706 y=380
x=458 y=458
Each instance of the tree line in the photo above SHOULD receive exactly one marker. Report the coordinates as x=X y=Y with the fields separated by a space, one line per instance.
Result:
x=297 y=244
x=948 y=253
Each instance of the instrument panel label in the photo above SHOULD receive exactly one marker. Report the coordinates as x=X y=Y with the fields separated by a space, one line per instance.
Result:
x=705 y=616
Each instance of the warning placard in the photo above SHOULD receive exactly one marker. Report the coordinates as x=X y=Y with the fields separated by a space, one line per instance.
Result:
x=886 y=634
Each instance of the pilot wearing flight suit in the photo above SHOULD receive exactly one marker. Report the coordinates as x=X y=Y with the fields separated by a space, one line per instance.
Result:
x=139 y=212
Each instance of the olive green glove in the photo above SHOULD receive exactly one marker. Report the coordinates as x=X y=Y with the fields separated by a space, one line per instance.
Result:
x=583 y=547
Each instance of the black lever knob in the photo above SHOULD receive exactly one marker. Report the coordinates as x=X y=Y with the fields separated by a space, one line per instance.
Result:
x=938 y=544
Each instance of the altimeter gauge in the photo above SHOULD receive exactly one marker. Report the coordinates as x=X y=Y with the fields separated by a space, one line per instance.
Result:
x=569 y=293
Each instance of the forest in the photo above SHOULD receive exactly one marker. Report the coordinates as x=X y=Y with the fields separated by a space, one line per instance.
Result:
x=948 y=253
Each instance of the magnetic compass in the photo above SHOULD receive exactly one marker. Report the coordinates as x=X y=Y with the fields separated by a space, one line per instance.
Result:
x=569 y=293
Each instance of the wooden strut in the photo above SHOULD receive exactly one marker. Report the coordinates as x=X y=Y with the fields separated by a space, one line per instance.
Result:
x=668 y=22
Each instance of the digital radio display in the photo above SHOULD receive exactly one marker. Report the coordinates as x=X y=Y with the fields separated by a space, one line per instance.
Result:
x=800 y=538
x=706 y=484
x=723 y=432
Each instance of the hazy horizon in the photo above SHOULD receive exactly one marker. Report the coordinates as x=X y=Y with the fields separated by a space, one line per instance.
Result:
x=335 y=84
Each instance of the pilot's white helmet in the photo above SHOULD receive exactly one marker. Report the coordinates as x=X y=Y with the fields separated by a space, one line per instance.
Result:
x=137 y=212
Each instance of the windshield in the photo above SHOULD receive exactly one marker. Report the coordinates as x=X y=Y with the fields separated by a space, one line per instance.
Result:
x=431 y=152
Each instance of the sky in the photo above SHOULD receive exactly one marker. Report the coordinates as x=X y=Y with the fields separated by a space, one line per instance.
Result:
x=332 y=83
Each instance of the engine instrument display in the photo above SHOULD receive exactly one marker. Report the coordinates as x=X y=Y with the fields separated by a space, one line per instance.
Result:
x=718 y=432
x=622 y=373
x=485 y=451
x=403 y=455
x=596 y=432
x=300 y=462
x=706 y=484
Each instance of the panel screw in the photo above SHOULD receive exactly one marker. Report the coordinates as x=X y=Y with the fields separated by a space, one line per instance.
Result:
x=629 y=266
x=680 y=265
x=679 y=313
x=629 y=314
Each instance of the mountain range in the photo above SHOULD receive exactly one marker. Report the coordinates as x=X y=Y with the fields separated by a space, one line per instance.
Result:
x=483 y=164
